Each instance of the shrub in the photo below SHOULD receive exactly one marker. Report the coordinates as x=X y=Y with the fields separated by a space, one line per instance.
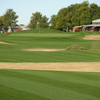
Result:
x=76 y=47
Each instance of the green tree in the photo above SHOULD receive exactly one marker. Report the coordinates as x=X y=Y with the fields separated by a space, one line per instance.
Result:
x=95 y=11
x=85 y=13
x=52 y=21
x=35 y=19
x=21 y=25
x=76 y=14
x=75 y=18
x=44 y=22
x=1 y=22
x=60 y=19
x=9 y=18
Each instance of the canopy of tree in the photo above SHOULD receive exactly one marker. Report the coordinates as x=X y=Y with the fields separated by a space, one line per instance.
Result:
x=37 y=20
x=75 y=15
x=8 y=19
x=1 y=22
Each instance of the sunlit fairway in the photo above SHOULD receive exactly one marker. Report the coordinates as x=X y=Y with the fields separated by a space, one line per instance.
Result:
x=48 y=38
x=48 y=85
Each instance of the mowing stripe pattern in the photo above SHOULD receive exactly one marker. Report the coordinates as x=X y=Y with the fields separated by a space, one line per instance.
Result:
x=49 y=85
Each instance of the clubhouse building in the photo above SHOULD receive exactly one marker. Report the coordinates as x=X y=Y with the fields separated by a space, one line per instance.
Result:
x=95 y=26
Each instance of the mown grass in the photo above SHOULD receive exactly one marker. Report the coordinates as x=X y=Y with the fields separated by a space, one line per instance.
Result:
x=48 y=38
x=49 y=85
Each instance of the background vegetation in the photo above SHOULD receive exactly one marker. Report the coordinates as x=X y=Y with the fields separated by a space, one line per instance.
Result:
x=9 y=19
x=67 y=18
x=75 y=15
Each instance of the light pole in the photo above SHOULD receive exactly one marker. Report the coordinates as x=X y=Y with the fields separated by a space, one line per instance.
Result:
x=38 y=26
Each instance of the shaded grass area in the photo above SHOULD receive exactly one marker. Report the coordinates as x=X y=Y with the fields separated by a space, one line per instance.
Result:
x=49 y=85
x=48 y=38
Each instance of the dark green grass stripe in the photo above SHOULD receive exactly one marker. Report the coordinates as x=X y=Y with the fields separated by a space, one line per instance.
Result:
x=91 y=77
x=7 y=93
x=45 y=90
x=73 y=85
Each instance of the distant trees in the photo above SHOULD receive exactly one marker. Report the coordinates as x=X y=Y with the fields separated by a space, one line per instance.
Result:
x=1 y=22
x=75 y=15
x=9 y=19
x=52 y=21
x=84 y=13
x=37 y=20
x=95 y=10
x=44 y=22
x=67 y=18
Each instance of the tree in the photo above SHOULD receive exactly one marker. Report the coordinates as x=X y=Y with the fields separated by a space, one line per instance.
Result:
x=95 y=11
x=35 y=19
x=52 y=21
x=75 y=18
x=76 y=15
x=9 y=18
x=1 y=22
x=85 y=13
x=21 y=25
x=44 y=22
x=60 y=21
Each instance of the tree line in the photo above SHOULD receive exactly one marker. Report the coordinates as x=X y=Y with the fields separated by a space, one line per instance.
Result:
x=73 y=15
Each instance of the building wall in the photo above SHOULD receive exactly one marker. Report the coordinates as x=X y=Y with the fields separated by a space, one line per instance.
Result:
x=75 y=29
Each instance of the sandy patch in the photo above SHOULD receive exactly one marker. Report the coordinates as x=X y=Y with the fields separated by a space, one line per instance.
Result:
x=81 y=66
x=6 y=43
x=40 y=49
x=92 y=37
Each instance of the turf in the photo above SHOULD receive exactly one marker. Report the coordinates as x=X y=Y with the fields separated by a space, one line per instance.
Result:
x=48 y=38
x=49 y=85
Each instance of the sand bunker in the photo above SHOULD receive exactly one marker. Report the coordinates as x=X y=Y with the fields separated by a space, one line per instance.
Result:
x=6 y=43
x=46 y=50
x=77 y=66
x=92 y=37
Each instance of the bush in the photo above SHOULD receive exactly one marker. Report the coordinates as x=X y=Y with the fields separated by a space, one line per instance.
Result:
x=76 y=47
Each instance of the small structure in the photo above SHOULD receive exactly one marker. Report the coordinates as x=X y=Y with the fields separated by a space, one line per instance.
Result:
x=10 y=29
x=14 y=29
x=17 y=29
x=24 y=28
x=95 y=26
x=97 y=21
x=4 y=29
x=76 y=28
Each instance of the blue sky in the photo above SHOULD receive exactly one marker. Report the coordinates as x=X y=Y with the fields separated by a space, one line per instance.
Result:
x=25 y=8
